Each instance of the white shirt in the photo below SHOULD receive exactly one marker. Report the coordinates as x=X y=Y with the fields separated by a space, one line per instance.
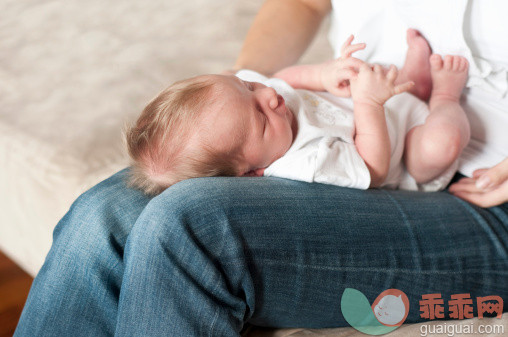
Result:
x=324 y=150
x=476 y=29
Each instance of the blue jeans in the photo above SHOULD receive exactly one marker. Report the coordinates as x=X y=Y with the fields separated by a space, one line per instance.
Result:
x=210 y=254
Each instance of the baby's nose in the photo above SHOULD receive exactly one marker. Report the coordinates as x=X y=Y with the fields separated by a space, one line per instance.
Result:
x=274 y=102
x=273 y=98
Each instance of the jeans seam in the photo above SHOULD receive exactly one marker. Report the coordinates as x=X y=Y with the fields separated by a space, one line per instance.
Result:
x=415 y=251
x=216 y=316
x=215 y=319
x=386 y=270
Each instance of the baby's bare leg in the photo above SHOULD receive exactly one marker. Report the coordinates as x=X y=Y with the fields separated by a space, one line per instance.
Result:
x=417 y=67
x=432 y=147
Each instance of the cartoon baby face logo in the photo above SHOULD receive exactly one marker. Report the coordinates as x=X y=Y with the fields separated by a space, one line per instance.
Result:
x=388 y=311
x=391 y=307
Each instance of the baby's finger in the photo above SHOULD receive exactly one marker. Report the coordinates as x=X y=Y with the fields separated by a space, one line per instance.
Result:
x=366 y=67
x=342 y=86
x=392 y=73
x=343 y=91
x=403 y=87
x=352 y=62
x=349 y=50
x=346 y=74
x=346 y=44
x=378 y=69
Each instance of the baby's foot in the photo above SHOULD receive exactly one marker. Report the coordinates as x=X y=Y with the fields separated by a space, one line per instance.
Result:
x=448 y=77
x=417 y=67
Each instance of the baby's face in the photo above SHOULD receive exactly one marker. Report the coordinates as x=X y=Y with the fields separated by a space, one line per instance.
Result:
x=253 y=116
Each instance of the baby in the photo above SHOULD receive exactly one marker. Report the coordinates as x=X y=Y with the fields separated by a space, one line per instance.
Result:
x=297 y=126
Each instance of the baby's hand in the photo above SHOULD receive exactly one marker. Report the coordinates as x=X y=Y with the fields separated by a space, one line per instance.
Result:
x=375 y=86
x=336 y=74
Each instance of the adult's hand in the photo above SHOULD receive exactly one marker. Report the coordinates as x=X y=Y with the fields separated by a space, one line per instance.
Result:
x=488 y=187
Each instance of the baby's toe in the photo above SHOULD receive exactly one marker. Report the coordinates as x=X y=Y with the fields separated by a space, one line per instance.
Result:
x=457 y=62
x=464 y=64
x=436 y=62
x=448 y=62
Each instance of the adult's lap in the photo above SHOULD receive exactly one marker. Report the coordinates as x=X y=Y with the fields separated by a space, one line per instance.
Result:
x=306 y=242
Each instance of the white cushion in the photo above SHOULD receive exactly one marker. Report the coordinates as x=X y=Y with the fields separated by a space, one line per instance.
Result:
x=72 y=75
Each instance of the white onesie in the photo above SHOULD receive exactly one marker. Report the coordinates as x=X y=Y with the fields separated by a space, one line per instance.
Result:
x=324 y=150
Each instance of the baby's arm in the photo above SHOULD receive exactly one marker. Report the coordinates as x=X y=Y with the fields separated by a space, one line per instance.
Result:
x=332 y=76
x=370 y=90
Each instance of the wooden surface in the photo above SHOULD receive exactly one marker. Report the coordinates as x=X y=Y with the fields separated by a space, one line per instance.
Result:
x=14 y=287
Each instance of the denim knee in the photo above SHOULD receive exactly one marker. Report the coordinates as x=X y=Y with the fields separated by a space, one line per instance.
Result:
x=196 y=209
x=185 y=246
x=96 y=226
x=83 y=271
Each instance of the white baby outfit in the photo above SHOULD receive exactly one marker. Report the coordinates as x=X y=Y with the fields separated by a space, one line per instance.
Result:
x=324 y=150
x=476 y=30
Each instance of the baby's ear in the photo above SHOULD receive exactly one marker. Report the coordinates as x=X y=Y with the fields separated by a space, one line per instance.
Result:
x=254 y=173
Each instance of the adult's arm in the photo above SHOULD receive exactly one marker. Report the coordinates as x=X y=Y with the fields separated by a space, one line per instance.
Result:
x=281 y=32
x=332 y=76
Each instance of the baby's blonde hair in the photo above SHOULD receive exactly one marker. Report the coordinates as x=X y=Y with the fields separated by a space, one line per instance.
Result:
x=157 y=142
